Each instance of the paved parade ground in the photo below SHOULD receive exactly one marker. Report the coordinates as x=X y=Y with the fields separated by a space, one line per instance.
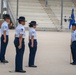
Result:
x=53 y=55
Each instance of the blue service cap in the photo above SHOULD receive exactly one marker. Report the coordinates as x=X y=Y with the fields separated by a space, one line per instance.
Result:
x=33 y=23
x=5 y=16
x=21 y=18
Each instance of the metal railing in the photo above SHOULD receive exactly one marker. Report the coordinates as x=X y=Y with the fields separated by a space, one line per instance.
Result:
x=10 y=12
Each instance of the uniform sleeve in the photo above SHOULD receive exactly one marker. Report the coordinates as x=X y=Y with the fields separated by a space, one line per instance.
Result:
x=75 y=35
x=5 y=28
x=33 y=33
x=21 y=31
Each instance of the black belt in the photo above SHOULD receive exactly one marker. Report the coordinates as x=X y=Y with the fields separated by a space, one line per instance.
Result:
x=3 y=35
x=73 y=41
x=34 y=39
x=18 y=38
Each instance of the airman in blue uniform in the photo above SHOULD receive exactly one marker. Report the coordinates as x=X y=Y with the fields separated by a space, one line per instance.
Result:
x=4 y=37
x=20 y=45
x=73 y=44
x=32 y=43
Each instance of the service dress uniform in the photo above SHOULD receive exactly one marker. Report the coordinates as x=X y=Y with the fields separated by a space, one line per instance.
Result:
x=19 y=52
x=73 y=46
x=4 y=27
x=32 y=32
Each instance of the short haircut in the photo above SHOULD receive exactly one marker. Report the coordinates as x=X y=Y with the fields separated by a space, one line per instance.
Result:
x=30 y=25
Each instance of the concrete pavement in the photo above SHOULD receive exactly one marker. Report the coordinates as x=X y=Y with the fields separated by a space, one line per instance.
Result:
x=53 y=55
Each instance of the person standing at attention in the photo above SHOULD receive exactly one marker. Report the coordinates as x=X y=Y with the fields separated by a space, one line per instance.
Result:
x=20 y=45
x=73 y=44
x=32 y=43
x=4 y=37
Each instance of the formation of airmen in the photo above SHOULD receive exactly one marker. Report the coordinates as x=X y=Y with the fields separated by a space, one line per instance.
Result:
x=19 y=42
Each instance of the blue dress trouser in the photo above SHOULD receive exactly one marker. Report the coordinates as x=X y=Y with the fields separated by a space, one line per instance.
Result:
x=3 y=47
x=32 y=52
x=73 y=50
x=19 y=54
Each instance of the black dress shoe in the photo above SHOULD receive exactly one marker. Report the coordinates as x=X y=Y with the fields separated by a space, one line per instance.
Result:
x=73 y=63
x=4 y=61
x=33 y=66
x=20 y=71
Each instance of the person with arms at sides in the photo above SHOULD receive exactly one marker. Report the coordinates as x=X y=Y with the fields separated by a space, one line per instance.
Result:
x=20 y=45
x=4 y=37
x=32 y=43
x=73 y=44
